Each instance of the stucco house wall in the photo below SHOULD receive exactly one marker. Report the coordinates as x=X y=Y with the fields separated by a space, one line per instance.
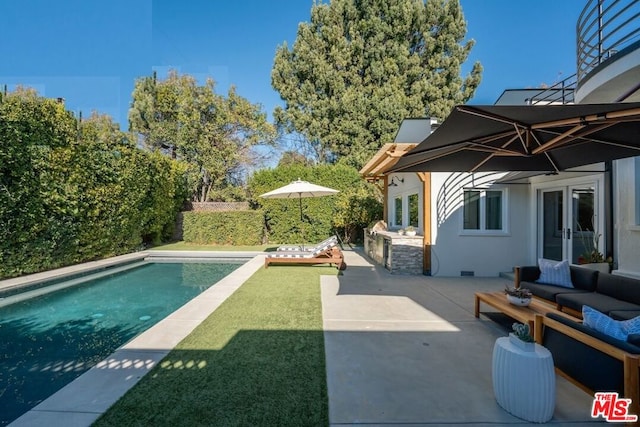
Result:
x=456 y=251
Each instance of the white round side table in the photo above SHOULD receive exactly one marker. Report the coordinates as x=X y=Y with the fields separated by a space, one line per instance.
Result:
x=524 y=381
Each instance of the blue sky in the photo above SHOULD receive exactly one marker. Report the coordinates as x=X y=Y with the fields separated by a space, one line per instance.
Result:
x=91 y=52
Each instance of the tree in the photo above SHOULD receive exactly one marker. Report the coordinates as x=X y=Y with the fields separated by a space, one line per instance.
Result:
x=290 y=158
x=359 y=67
x=190 y=122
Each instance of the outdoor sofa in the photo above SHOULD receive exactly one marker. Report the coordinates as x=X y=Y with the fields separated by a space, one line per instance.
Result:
x=594 y=361
x=590 y=358
x=616 y=296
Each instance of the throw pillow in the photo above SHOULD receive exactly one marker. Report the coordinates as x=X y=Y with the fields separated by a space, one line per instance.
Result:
x=603 y=323
x=619 y=329
x=554 y=273
x=632 y=326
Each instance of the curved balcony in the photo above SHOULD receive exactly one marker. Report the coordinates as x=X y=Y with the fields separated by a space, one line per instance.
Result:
x=608 y=52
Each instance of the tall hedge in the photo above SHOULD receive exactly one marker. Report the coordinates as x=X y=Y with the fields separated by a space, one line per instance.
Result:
x=346 y=213
x=72 y=192
x=224 y=228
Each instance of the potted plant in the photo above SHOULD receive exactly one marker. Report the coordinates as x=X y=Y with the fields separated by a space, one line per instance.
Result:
x=518 y=296
x=592 y=257
x=521 y=337
x=410 y=231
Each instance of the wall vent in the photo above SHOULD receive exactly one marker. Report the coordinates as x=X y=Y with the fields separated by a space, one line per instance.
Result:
x=467 y=273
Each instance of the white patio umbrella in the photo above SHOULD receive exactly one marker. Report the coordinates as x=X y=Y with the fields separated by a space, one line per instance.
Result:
x=297 y=190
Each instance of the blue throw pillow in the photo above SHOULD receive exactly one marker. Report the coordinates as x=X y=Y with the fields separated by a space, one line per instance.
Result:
x=554 y=273
x=619 y=329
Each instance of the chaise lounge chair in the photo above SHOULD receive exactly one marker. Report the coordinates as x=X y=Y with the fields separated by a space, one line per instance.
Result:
x=295 y=248
x=325 y=252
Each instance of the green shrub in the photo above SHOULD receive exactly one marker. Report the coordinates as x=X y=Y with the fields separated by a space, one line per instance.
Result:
x=224 y=228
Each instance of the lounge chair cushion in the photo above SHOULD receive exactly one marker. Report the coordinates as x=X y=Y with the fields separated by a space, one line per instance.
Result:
x=554 y=273
x=332 y=241
x=291 y=254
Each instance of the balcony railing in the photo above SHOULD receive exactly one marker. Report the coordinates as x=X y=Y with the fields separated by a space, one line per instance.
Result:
x=604 y=28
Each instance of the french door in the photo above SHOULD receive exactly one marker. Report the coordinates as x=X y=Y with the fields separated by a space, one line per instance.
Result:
x=568 y=221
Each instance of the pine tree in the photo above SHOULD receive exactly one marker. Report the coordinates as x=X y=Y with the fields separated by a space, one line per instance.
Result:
x=360 y=67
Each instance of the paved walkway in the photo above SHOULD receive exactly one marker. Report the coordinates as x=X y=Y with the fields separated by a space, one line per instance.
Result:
x=407 y=350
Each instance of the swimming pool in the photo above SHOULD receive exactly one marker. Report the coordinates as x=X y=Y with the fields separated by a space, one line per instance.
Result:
x=49 y=340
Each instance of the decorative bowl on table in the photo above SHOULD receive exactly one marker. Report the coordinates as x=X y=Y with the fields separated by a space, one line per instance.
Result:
x=522 y=302
x=518 y=296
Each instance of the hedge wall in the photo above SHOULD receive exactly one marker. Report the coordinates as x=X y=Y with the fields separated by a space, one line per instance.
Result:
x=74 y=192
x=238 y=228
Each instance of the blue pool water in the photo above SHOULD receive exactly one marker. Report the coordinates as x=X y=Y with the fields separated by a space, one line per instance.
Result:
x=49 y=340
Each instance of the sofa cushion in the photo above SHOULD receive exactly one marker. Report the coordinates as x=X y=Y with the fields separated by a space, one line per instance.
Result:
x=529 y=273
x=619 y=287
x=624 y=314
x=548 y=292
x=619 y=329
x=583 y=278
x=634 y=339
x=554 y=273
x=603 y=303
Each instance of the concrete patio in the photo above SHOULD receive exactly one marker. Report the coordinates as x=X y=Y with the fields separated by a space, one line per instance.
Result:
x=407 y=350
x=400 y=350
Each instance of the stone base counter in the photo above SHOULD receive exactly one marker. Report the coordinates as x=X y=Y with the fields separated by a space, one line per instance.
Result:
x=400 y=254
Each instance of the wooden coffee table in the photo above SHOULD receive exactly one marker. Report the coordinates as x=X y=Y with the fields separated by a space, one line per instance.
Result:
x=498 y=300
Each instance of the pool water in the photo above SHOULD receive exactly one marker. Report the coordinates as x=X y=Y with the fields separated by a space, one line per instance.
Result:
x=48 y=341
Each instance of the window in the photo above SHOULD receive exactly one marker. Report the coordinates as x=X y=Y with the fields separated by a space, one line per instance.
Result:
x=413 y=210
x=398 y=211
x=483 y=210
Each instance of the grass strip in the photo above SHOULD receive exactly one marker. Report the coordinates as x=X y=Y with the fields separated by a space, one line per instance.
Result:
x=258 y=360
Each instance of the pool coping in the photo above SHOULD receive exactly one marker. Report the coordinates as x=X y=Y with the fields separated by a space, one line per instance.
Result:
x=83 y=400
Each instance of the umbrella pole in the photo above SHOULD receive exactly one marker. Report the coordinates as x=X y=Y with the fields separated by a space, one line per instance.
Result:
x=301 y=221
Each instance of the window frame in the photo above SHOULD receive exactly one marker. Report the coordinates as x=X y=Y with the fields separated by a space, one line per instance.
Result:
x=483 y=208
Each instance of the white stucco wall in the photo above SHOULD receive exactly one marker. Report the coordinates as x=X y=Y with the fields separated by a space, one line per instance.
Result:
x=626 y=225
x=455 y=251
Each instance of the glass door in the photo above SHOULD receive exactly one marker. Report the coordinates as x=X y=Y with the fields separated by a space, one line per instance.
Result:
x=584 y=221
x=568 y=222
x=552 y=224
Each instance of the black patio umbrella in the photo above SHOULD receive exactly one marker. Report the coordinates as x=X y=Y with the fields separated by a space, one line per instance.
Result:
x=542 y=138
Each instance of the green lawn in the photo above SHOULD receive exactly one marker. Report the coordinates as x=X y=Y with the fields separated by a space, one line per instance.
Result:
x=258 y=360
x=182 y=246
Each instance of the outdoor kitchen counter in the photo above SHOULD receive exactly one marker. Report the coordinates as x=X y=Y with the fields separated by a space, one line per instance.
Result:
x=398 y=253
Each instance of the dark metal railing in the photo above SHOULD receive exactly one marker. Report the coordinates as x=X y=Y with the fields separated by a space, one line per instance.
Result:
x=559 y=93
x=604 y=28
